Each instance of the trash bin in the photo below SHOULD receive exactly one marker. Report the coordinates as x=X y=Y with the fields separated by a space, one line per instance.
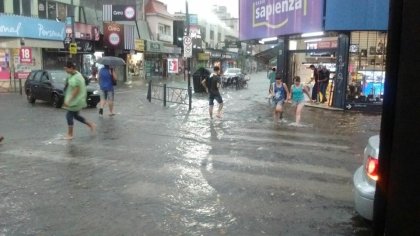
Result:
x=198 y=76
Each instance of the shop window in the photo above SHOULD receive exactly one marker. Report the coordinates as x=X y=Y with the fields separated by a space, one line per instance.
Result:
x=61 y=11
x=42 y=9
x=52 y=10
x=367 y=66
x=22 y=7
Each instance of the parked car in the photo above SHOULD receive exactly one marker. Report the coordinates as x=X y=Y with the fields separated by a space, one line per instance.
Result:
x=234 y=77
x=49 y=86
x=364 y=179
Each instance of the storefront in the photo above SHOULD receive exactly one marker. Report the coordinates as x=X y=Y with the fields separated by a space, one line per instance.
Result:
x=346 y=37
x=21 y=42
x=156 y=58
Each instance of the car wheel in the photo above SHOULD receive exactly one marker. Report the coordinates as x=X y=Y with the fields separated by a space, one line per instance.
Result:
x=56 y=101
x=30 y=97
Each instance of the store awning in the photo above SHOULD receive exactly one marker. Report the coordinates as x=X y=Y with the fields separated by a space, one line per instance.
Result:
x=35 y=43
x=267 y=55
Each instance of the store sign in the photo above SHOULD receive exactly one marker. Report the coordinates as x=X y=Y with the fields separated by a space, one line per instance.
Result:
x=203 y=56
x=29 y=27
x=83 y=31
x=139 y=45
x=119 y=12
x=154 y=46
x=82 y=46
x=25 y=55
x=173 y=65
x=272 y=18
x=114 y=35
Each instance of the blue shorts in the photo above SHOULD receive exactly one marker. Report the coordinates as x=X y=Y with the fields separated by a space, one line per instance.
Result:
x=276 y=102
x=215 y=96
x=107 y=95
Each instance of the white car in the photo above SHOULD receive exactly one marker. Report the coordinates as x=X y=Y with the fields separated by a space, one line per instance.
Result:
x=365 y=178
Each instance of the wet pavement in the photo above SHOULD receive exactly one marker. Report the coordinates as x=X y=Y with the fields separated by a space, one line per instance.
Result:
x=154 y=170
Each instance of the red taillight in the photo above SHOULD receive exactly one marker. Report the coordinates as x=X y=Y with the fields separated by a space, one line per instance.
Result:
x=372 y=168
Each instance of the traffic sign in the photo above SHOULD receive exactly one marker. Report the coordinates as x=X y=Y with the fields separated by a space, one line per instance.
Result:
x=73 y=48
x=187 y=46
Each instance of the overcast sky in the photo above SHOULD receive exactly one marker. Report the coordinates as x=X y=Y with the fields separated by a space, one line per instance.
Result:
x=202 y=7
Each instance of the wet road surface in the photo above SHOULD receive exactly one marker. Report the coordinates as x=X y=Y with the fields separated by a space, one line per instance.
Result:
x=166 y=171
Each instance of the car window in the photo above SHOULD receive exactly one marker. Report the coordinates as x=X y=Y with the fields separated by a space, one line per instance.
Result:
x=59 y=76
x=31 y=76
x=37 y=76
x=44 y=78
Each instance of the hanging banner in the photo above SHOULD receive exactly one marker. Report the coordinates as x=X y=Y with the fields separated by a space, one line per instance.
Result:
x=114 y=35
x=119 y=12
x=173 y=65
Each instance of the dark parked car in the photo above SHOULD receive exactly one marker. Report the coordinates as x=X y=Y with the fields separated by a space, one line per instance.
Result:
x=49 y=86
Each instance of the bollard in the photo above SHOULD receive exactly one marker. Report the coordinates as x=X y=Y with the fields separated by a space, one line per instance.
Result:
x=149 y=91
x=189 y=98
x=164 y=95
x=20 y=86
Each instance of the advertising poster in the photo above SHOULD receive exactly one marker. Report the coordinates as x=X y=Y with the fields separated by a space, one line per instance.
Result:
x=271 y=18
x=173 y=65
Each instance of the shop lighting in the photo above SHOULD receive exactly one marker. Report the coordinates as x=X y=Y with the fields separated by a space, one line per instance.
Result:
x=313 y=34
x=264 y=40
x=312 y=40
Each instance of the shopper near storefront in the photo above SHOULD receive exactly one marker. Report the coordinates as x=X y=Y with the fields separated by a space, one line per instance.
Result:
x=298 y=98
x=75 y=99
x=1 y=138
x=280 y=94
x=316 y=87
x=272 y=77
x=212 y=85
x=106 y=85
x=324 y=78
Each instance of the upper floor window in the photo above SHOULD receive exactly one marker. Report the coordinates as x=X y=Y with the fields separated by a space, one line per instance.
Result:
x=1 y=6
x=52 y=10
x=22 y=7
x=211 y=35
x=165 y=29
x=219 y=37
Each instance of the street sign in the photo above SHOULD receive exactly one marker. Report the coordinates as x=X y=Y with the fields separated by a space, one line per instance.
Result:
x=73 y=48
x=187 y=46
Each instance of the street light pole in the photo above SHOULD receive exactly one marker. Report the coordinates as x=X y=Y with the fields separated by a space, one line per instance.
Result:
x=188 y=59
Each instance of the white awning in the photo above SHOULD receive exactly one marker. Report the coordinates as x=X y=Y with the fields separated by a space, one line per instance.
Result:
x=35 y=43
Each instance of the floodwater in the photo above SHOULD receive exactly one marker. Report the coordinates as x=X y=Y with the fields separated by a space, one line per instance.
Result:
x=169 y=171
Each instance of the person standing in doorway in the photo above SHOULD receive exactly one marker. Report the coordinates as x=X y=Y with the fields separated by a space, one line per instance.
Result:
x=315 y=88
x=280 y=94
x=212 y=85
x=297 y=97
x=324 y=79
x=106 y=85
x=75 y=99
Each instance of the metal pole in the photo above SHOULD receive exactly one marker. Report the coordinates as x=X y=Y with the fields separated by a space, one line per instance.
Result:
x=189 y=59
x=164 y=95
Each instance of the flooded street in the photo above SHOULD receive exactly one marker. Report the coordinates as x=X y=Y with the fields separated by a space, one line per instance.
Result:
x=152 y=170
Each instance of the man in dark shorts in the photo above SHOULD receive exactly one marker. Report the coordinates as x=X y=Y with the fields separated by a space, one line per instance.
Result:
x=212 y=85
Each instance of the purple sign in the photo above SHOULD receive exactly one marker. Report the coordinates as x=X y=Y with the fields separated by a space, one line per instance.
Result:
x=271 y=18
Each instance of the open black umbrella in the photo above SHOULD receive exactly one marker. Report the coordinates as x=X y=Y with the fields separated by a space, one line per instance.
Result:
x=111 y=61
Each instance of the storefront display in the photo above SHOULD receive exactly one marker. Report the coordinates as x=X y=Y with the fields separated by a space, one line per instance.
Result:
x=367 y=67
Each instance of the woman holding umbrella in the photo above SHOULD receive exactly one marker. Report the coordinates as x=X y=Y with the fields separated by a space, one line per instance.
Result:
x=106 y=83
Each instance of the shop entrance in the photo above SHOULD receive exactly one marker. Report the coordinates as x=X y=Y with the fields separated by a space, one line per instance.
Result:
x=299 y=62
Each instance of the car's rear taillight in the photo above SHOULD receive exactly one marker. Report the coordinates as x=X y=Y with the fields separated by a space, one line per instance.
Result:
x=372 y=165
